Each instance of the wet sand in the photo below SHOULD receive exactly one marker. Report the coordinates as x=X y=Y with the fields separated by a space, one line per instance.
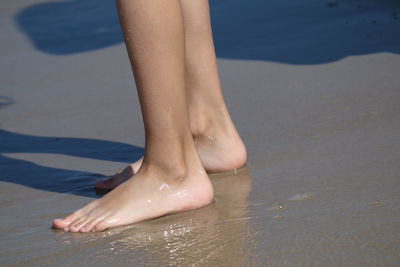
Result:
x=315 y=97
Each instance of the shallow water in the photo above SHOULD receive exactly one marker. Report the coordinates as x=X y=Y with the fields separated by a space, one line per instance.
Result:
x=248 y=224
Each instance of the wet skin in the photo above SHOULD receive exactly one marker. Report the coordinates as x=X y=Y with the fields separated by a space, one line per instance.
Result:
x=187 y=125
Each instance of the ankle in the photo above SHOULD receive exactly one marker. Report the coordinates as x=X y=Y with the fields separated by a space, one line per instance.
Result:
x=206 y=123
x=200 y=123
x=174 y=165
x=171 y=172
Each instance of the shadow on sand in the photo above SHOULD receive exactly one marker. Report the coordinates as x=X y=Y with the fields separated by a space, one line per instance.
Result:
x=293 y=32
x=55 y=179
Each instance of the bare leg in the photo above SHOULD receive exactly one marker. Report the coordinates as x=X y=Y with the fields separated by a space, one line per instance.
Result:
x=217 y=141
x=171 y=177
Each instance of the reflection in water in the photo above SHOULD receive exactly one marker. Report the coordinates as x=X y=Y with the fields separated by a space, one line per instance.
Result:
x=214 y=234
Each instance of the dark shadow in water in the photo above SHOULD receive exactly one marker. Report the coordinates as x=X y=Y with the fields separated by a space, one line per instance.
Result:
x=55 y=179
x=293 y=32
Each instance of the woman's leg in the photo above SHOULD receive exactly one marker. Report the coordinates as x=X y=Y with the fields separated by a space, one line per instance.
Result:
x=171 y=177
x=217 y=141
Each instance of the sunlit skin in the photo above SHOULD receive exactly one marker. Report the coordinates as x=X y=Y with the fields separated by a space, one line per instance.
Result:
x=218 y=143
x=187 y=125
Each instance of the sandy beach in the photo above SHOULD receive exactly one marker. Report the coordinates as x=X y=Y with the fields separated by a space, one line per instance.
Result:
x=313 y=87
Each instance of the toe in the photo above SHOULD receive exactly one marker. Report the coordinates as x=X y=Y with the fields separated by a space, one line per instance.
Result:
x=100 y=226
x=63 y=223
x=90 y=223
x=60 y=223
x=73 y=227
x=78 y=226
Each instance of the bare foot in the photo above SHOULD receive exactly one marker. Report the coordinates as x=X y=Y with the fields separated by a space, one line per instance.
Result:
x=119 y=177
x=219 y=147
x=149 y=195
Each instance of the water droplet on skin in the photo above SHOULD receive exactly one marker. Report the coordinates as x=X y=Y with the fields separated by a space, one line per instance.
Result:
x=164 y=186
x=182 y=194
x=113 y=220
x=151 y=202
x=210 y=138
